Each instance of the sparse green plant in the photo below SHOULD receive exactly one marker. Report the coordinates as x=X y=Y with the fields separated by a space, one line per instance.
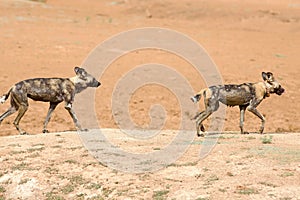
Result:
x=199 y=176
x=56 y=146
x=34 y=155
x=62 y=177
x=183 y=164
x=286 y=174
x=30 y=150
x=251 y=138
x=52 y=196
x=40 y=1
x=16 y=152
x=160 y=195
x=14 y=145
x=107 y=191
x=248 y=156
x=77 y=180
x=229 y=174
x=71 y=161
x=268 y=184
x=222 y=190
x=67 y=189
x=21 y=166
x=205 y=169
x=222 y=137
x=61 y=141
x=285 y=198
x=267 y=139
x=23 y=181
x=98 y=197
x=246 y=190
x=38 y=144
x=212 y=178
x=202 y=198
x=95 y=186
x=75 y=148
x=80 y=196
x=50 y=170
x=2 y=189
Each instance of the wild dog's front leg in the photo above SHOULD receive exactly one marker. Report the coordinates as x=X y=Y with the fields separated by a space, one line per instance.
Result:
x=255 y=112
x=242 y=116
x=69 y=108
x=48 y=117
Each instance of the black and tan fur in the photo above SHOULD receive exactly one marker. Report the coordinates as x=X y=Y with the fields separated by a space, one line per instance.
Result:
x=53 y=90
x=246 y=96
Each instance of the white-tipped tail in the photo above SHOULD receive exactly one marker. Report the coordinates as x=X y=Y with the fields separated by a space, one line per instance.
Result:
x=194 y=99
x=3 y=99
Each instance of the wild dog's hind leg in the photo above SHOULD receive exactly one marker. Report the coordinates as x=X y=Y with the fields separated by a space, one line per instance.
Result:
x=204 y=115
x=48 y=117
x=199 y=127
x=22 y=109
x=13 y=108
x=212 y=107
x=10 y=111
x=21 y=101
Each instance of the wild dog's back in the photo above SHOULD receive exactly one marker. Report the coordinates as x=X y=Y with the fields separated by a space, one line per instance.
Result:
x=46 y=89
x=233 y=95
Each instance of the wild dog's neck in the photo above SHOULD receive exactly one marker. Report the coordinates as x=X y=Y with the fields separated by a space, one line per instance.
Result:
x=79 y=85
x=267 y=90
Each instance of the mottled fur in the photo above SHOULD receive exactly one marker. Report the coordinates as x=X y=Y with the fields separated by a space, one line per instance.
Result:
x=53 y=90
x=246 y=96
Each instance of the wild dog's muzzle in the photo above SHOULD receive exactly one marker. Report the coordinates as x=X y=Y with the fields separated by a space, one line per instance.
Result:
x=95 y=84
x=279 y=90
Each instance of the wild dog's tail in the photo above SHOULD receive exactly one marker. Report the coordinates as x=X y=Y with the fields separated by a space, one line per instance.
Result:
x=5 y=96
x=197 y=97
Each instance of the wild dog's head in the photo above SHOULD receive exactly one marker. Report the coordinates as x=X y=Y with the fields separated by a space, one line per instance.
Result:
x=84 y=80
x=273 y=86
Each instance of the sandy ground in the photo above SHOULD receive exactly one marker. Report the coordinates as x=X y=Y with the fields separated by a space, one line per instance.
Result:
x=49 y=38
x=57 y=166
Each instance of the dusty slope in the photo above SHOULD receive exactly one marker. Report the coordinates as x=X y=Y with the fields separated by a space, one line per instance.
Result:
x=243 y=38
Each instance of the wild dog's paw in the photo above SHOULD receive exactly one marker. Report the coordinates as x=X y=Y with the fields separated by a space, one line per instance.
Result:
x=24 y=133
x=45 y=131
x=83 y=129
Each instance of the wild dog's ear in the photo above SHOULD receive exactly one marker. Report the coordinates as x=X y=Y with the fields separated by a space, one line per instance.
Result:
x=80 y=71
x=264 y=76
x=267 y=76
x=76 y=70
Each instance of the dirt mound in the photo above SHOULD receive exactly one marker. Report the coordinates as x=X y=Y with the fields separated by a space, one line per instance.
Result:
x=49 y=38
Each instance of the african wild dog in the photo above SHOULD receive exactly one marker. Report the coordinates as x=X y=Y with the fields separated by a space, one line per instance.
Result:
x=53 y=90
x=246 y=95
